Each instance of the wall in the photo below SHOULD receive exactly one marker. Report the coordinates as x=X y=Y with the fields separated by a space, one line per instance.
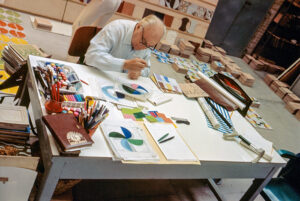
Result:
x=235 y=22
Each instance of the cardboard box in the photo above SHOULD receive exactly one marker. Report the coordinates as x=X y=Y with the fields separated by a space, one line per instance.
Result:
x=278 y=84
x=174 y=50
x=292 y=107
x=282 y=91
x=269 y=79
x=272 y=68
x=256 y=65
x=42 y=23
x=247 y=58
x=246 y=79
x=291 y=98
x=274 y=88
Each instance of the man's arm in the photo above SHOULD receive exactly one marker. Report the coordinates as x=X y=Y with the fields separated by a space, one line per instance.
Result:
x=98 y=54
x=146 y=71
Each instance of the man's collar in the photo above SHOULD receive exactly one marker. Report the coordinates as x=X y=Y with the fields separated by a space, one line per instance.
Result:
x=128 y=36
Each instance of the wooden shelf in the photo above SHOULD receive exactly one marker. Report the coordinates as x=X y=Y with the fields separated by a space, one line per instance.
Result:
x=175 y=11
x=168 y=28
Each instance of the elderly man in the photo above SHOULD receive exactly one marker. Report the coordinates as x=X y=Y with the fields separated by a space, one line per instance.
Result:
x=125 y=46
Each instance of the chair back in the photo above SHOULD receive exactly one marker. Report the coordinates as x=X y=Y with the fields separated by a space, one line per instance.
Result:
x=81 y=40
x=291 y=172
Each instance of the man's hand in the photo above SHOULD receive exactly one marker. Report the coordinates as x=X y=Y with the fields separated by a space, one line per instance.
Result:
x=133 y=74
x=136 y=64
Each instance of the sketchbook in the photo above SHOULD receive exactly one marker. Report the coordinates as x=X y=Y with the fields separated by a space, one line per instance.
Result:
x=174 y=149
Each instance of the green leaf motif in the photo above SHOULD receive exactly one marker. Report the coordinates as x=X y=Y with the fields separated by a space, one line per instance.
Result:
x=136 y=142
x=116 y=135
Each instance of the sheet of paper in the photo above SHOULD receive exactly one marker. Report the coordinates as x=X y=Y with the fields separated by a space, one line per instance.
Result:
x=157 y=98
x=244 y=128
x=174 y=149
x=128 y=141
x=167 y=83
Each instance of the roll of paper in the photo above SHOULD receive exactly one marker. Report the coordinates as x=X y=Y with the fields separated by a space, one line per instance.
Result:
x=213 y=120
x=222 y=91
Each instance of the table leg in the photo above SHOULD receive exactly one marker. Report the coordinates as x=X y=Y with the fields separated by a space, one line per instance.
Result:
x=215 y=189
x=257 y=186
x=49 y=181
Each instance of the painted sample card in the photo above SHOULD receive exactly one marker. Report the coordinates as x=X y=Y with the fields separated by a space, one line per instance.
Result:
x=256 y=120
x=107 y=92
x=128 y=141
x=172 y=146
x=167 y=84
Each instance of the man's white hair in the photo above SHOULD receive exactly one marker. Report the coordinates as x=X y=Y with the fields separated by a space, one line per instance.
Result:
x=151 y=20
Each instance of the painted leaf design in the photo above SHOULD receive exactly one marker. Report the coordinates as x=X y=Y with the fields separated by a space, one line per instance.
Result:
x=116 y=135
x=130 y=90
x=136 y=141
x=126 y=132
x=125 y=144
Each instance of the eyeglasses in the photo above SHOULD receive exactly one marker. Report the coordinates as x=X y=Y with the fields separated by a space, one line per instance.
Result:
x=144 y=42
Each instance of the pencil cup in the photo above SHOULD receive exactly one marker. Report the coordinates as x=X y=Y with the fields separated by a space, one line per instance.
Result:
x=53 y=106
x=92 y=131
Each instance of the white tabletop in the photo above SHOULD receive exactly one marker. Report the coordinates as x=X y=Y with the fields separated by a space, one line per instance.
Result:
x=206 y=143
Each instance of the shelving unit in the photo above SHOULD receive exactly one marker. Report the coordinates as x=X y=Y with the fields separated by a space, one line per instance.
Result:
x=281 y=41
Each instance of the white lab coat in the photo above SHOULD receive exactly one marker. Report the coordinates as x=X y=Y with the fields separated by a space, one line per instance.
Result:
x=112 y=46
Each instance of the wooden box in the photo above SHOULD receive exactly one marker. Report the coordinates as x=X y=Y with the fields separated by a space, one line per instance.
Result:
x=246 y=79
x=42 y=23
x=278 y=84
x=272 y=68
x=292 y=107
x=282 y=91
x=291 y=98
x=247 y=58
x=269 y=79
x=274 y=88
x=174 y=50
x=256 y=65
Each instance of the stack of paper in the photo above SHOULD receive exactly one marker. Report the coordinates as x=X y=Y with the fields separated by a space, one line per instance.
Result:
x=16 y=55
x=186 y=47
x=163 y=46
x=182 y=65
x=204 y=54
x=174 y=50
x=14 y=124
x=217 y=66
x=207 y=44
x=233 y=70
x=128 y=141
x=246 y=79
x=219 y=49
x=170 y=142
x=166 y=84
x=216 y=56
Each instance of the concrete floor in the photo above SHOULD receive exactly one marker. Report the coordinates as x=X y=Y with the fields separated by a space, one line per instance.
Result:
x=285 y=133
